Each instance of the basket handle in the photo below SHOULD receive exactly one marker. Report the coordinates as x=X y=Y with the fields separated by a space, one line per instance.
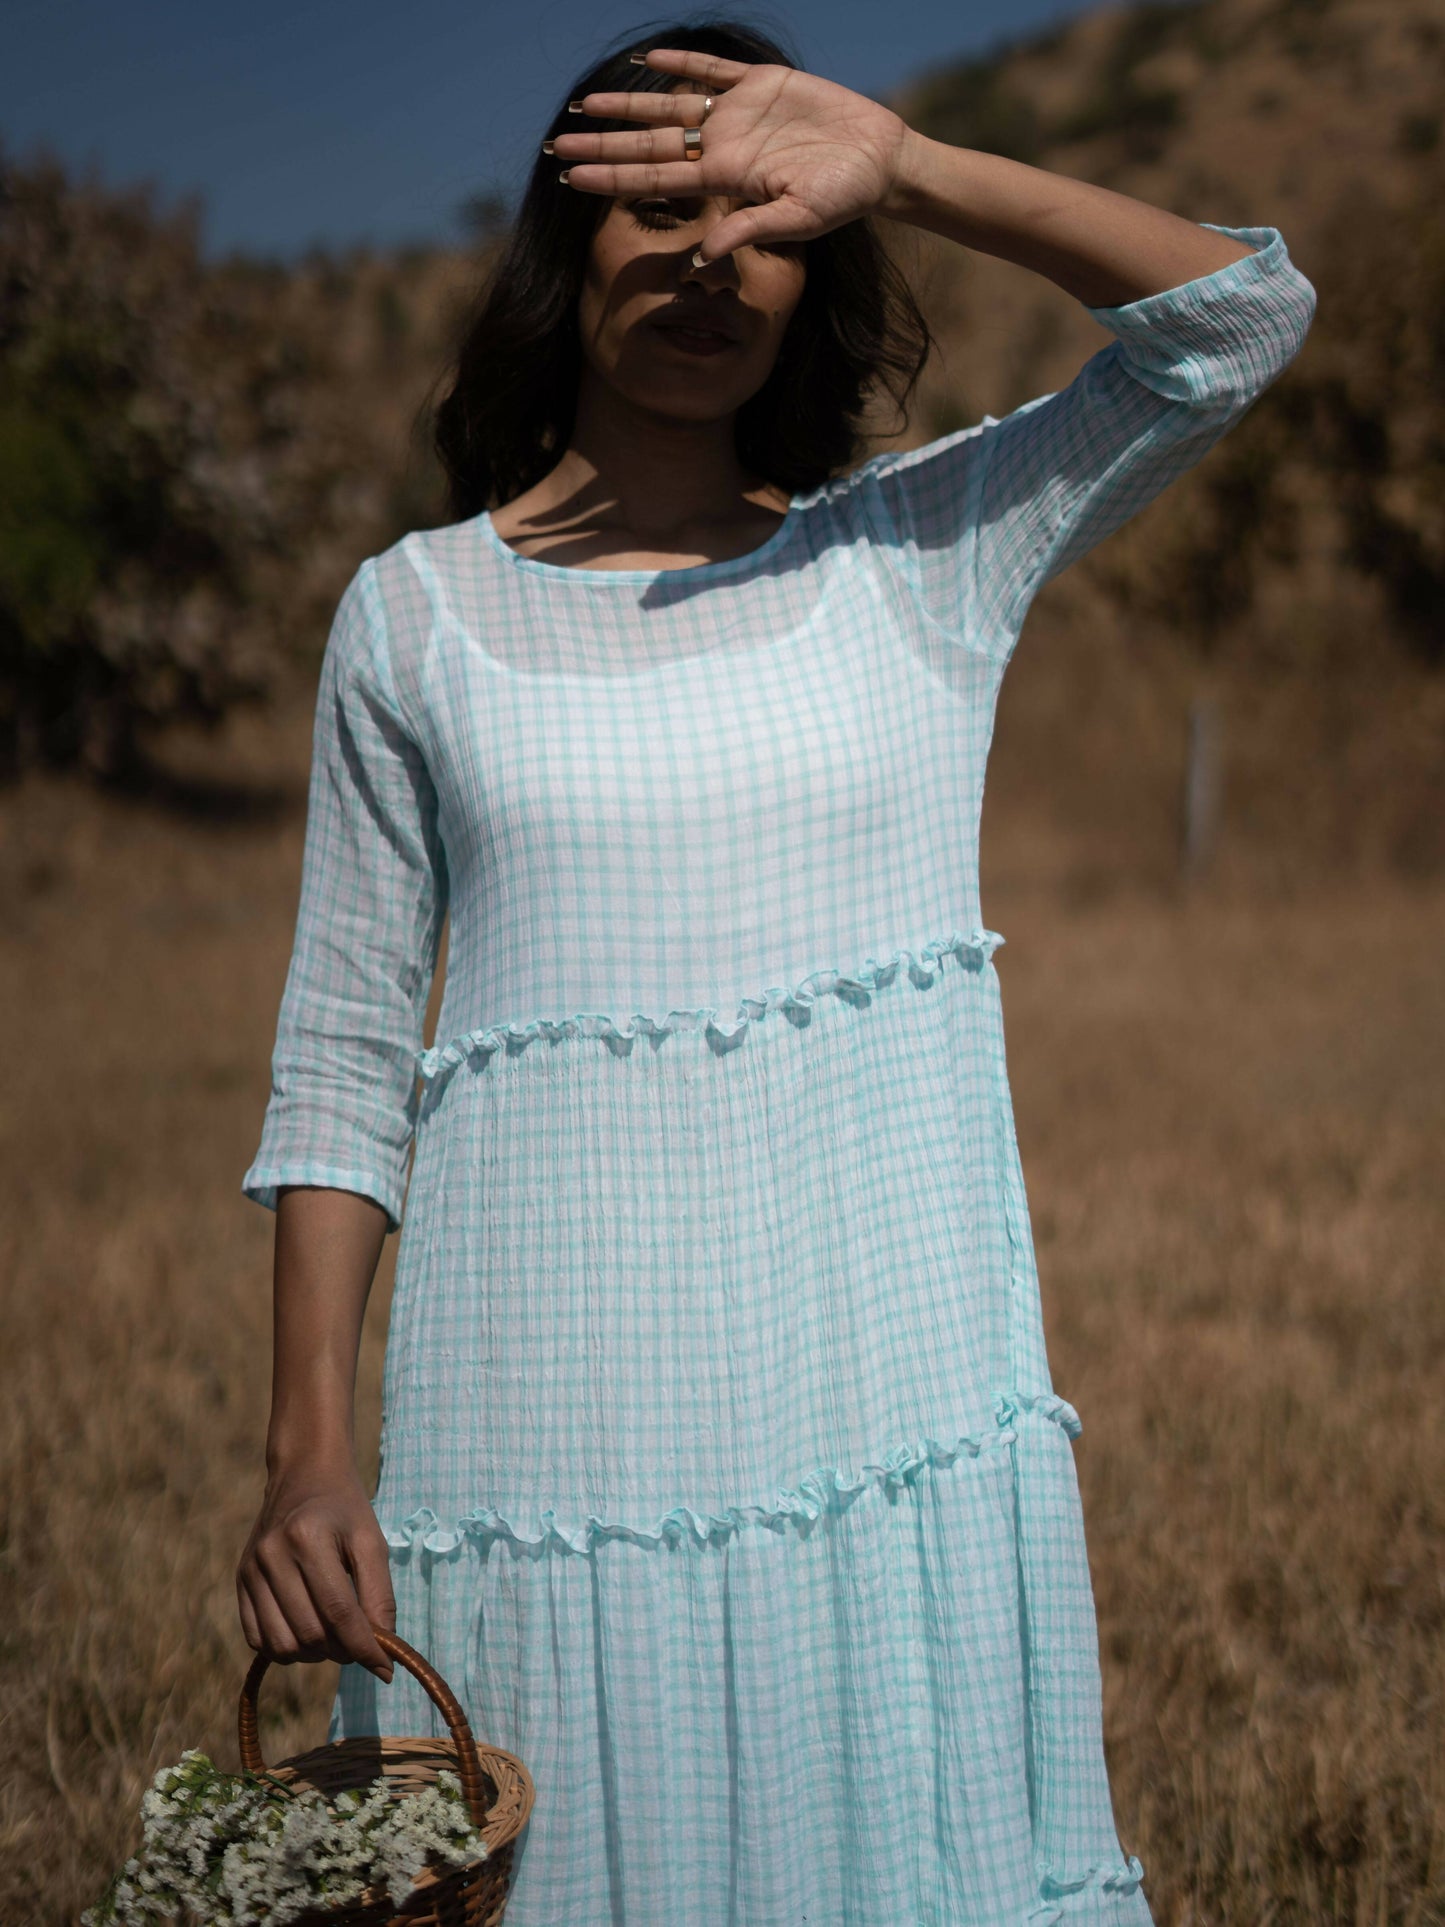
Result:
x=469 y=1767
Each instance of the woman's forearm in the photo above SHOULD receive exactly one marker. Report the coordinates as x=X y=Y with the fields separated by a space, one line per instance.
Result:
x=1105 y=249
x=314 y=1580
x=327 y=1247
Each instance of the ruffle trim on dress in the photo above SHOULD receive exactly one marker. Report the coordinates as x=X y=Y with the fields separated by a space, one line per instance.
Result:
x=723 y=1033
x=1059 y=1899
x=825 y=1489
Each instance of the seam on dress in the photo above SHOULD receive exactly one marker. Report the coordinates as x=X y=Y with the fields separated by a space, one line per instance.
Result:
x=825 y=1489
x=795 y=1001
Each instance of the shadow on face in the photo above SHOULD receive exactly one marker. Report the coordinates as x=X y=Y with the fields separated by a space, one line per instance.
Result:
x=640 y=287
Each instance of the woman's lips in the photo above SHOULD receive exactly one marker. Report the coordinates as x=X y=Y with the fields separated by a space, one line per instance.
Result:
x=694 y=341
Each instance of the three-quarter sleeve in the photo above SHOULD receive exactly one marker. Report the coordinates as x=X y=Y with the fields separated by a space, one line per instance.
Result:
x=982 y=518
x=342 y=1110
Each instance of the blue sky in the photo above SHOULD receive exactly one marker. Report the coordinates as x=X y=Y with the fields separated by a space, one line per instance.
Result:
x=321 y=123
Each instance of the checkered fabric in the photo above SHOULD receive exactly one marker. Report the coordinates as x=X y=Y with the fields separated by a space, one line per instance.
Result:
x=721 y=1466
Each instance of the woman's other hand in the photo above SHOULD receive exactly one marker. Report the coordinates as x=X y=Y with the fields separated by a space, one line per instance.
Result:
x=314 y=1579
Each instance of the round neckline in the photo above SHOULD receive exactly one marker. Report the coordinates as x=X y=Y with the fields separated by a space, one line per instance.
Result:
x=691 y=572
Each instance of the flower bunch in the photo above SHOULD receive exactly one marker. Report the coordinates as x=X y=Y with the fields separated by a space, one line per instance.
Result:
x=248 y=1850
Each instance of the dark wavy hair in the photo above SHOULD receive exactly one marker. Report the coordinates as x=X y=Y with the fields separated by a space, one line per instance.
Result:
x=508 y=414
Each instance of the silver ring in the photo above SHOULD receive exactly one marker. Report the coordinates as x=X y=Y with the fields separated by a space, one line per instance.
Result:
x=692 y=143
x=706 y=105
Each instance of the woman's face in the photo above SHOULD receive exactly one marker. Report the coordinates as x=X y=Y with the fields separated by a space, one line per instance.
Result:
x=640 y=286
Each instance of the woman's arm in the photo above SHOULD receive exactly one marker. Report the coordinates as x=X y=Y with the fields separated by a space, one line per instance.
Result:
x=803 y=155
x=1105 y=249
x=314 y=1577
x=1204 y=319
x=337 y=1136
x=980 y=519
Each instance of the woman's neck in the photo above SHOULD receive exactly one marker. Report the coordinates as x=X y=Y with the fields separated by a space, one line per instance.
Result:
x=652 y=477
x=639 y=490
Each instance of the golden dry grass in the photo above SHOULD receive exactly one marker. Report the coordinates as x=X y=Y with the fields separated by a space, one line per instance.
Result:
x=1231 y=1106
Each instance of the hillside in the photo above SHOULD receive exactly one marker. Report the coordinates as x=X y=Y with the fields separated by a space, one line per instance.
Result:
x=1320 y=118
x=1298 y=576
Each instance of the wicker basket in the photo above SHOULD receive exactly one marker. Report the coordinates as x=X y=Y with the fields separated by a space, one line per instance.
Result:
x=496 y=1786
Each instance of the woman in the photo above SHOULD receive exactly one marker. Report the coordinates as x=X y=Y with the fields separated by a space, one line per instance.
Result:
x=722 y=1473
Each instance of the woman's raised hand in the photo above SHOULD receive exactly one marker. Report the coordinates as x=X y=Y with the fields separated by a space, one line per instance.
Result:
x=807 y=153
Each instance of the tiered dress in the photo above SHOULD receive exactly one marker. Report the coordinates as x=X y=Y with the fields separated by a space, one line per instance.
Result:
x=721 y=1466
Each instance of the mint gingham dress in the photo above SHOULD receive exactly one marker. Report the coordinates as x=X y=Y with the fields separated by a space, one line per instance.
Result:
x=723 y=1473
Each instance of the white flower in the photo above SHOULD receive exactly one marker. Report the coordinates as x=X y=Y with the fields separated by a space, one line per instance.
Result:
x=238 y=1851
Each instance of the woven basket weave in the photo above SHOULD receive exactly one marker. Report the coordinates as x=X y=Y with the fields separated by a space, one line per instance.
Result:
x=496 y=1786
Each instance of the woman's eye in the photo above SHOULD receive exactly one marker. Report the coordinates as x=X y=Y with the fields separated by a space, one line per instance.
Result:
x=655 y=213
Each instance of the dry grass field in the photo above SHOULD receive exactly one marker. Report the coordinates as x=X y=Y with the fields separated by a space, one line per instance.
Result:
x=1231 y=1101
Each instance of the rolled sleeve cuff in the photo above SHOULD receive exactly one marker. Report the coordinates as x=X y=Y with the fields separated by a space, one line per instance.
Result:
x=264 y=1182
x=1232 y=330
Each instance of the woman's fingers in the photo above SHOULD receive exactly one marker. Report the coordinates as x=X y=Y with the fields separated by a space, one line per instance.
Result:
x=650 y=177
x=274 y=1636
x=299 y=1600
x=663 y=110
x=370 y=1566
x=712 y=68
x=279 y=1555
x=348 y=1631
x=314 y=1580
x=654 y=144
x=250 y=1628
x=772 y=225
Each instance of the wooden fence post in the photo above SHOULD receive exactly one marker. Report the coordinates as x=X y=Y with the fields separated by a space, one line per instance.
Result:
x=1199 y=824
